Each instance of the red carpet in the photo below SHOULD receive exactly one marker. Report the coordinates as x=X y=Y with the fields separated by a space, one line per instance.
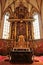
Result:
x=36 y=58
x=2 y=58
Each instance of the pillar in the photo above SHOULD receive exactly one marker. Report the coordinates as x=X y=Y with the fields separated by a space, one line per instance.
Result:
x=27 y=30
x=15 y=30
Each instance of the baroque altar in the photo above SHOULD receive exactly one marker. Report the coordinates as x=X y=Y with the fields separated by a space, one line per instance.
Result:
x=21 y=26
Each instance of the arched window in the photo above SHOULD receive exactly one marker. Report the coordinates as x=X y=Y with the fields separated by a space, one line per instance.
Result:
x=6 y=28
x=36 y=27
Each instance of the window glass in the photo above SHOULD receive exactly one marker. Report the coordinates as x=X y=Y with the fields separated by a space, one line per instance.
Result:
x=6 y=28
x=36 y=27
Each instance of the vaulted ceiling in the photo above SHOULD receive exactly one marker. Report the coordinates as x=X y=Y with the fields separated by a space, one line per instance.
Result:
x=32 y=5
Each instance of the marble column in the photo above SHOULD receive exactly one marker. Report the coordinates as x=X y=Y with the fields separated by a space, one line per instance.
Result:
x=15 y=30
x=32 y=30
x=27 y=30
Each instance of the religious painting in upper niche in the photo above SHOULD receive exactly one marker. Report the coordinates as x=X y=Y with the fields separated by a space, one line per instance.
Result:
x=21 y=29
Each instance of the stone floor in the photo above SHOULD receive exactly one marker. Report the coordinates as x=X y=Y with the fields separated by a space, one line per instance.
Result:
x=8 y=63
